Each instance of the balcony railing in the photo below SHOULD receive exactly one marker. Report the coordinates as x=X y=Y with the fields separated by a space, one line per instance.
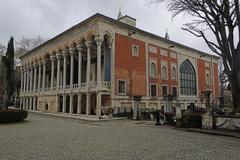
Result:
x=76 y=87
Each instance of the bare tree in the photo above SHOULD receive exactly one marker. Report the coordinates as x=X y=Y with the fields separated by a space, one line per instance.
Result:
x=26 y=44
x=3 y=49
x=221 y=18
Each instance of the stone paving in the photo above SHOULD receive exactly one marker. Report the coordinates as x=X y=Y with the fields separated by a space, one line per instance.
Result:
x=44 y=137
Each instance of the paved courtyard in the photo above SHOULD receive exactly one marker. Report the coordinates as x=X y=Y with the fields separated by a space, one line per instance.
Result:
x=43 y=137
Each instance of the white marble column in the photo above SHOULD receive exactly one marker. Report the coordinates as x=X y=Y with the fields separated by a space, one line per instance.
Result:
x=79 y=104
x=64 y=68
x=44 y=61
x=80 y=49
x=99 y=104
x=64 y=103
x=39 y=75
x=24 y=80
x=34 y=103
x=53 y=59
x=30 y=104
x=22 y=75
x=59 y=56
x=35 y=78
x=87 y=103
x=89 y=45
x=71 y=105
x=28 y=79
x=72 y=52
x=31 y=78
x=99 y=41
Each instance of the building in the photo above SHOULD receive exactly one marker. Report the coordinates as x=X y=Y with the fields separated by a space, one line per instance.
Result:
x=102 y=62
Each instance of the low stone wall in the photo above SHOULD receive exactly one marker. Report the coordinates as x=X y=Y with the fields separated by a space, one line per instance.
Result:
x=227 y=122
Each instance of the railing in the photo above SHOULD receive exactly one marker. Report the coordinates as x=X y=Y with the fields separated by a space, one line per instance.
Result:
x=82 y=86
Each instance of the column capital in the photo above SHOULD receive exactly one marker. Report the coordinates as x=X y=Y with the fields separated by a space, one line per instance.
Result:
x=35 y=65
x=89 y=44
x=59 y=56
x=99 y=41
x=65 y=52
x=72 y=51
x=53 y=57
x=44 y=61
x=80 y=47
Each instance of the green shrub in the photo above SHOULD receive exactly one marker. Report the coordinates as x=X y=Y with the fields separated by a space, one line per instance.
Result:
x=192 y=120
x=12 y=115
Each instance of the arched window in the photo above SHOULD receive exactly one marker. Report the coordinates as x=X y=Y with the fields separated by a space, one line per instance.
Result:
x=187 y=78
x=164 y=72
x=174 y=73
x=152 y=69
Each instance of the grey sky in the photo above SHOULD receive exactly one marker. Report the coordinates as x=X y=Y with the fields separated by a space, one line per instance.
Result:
x=48 y=18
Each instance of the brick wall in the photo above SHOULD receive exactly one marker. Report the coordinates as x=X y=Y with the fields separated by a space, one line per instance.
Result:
x=128 y=67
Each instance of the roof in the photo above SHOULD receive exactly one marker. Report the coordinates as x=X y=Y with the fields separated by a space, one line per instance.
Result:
x=114 y=21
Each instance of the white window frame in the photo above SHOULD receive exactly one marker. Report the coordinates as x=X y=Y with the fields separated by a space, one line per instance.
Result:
x=207 y=79
x=165 y=77
x=133 y=49
x=153 y=61
x=174 y=76
x=167 y=89
x=153 y=84
x=125 y=82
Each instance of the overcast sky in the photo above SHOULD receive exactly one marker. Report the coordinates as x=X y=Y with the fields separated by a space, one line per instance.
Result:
x=48 y=18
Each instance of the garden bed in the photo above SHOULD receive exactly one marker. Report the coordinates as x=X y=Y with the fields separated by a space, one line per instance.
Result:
x=12 y=115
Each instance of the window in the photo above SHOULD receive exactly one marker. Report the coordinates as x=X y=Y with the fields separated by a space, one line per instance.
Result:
x=153 y=90
x=164 y=72
x=207 y=79
x=187 y=78
x=152 y=69
x=174 y=73
x=174 y=91
x=122 y=87
x=135 y=50
x=164 y=90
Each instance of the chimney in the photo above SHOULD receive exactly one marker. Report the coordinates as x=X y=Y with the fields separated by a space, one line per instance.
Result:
x=128 y=20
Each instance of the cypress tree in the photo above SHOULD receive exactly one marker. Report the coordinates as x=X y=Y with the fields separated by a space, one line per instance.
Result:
x=10 y=58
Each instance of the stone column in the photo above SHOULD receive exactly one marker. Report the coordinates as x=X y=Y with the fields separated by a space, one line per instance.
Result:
x=98 y=104
x=22 y=74
x=31 y=78
x=24 y=79
x=44 y=61
x=80 y=49
x=99 y=41
x=79 y=104
x=64 y=104
x=35 y=78
x=34 y=103
x=59 y=56
x=89 y=45
x=72 y=52
x=64 y=68
x=27 y=79
x=39 y=75
x=87 y=103
x=71 y=105
x=30 y=105
x=53 y=59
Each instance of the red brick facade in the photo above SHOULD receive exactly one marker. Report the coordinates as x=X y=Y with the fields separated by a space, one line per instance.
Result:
x=132 y=69
x=128 y=67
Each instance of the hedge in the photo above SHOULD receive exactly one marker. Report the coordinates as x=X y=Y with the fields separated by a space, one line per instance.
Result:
x=192 y=120
x=12 y=115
